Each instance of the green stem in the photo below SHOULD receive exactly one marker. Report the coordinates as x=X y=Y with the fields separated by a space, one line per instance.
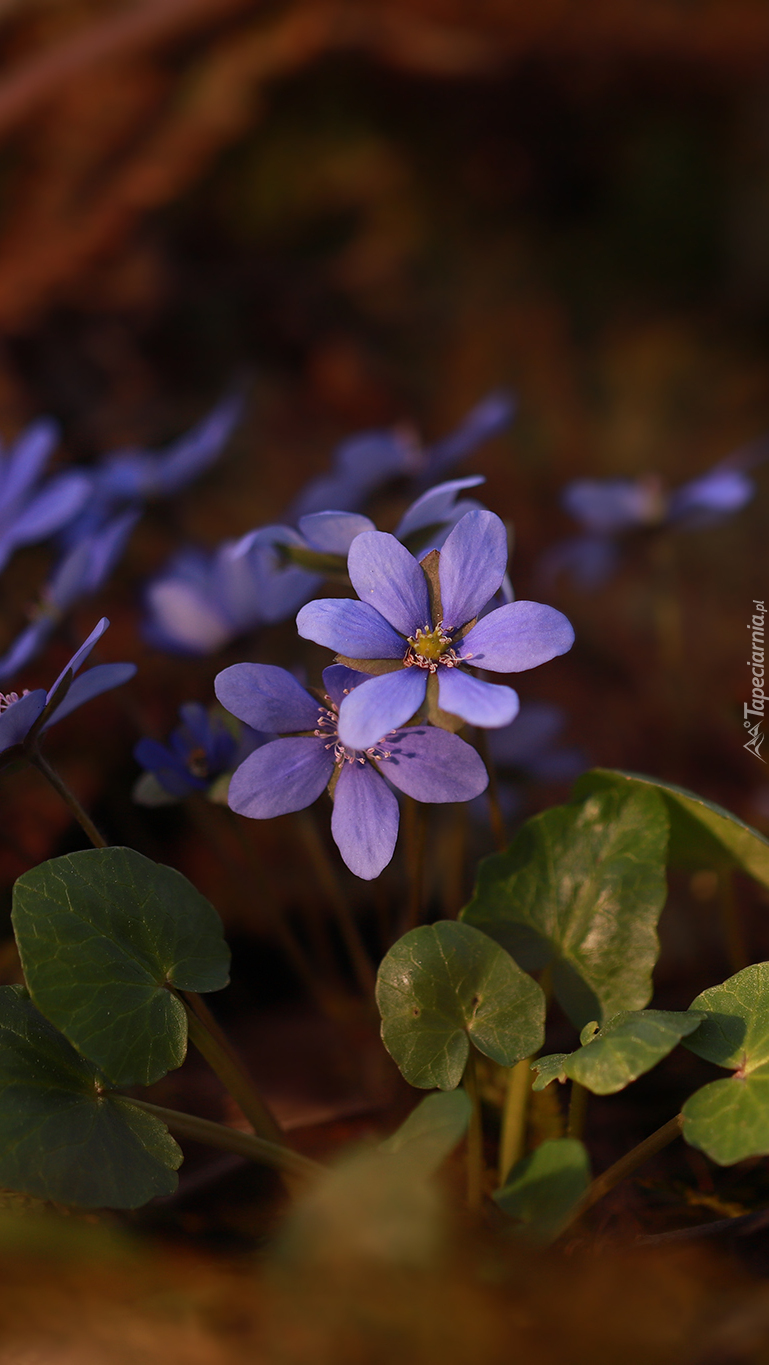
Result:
x=208 y=1038
x=326 y=874
x=495 y=809
x=626 y=1165
x=69 y=798
x=219 y=1135
x=415 y=834
x=577 y=1110
x=512 y=1142
x=474 y=1137
x=732 y=922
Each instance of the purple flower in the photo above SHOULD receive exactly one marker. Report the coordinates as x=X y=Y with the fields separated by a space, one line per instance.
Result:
x=291 y=772
x=23 y=718
x=201 y=749
x=133 y=475
x=413 y=631
x=30 y=510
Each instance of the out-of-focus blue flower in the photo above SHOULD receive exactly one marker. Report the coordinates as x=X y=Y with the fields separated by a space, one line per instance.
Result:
x=31 y=510
x=291 y=772
x=83 y=571
x=372 y=459
x=609 y=509
x=23 y=717
x=199 y=752
x=137 y=475
x=411 y=639
x=528 y=751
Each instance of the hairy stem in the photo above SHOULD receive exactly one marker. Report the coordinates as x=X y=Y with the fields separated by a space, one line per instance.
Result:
x=627 y=1164
x=69 y=798
x=219 y=1135
x=577 y=1110
x=474 y=1137
x=210 y=1041
x=512 y=1142
x=327 y=876
x=496 y=817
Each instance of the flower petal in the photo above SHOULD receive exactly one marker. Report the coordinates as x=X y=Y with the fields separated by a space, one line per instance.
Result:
x=100 y=679
x=516 y=637
x=26 y=646
x=472 y=566
x=334 y=532
x=434 y=506
x=182 y=617
x=17 y=719
x=80 y=656
x=364 y=822
x=338 y=680
x=284 y=775
x=380 y=705
x=351 y=628
x=433 y=765
x=387 y=577
x=168 y=768
x=477 y=702
x=266 y=698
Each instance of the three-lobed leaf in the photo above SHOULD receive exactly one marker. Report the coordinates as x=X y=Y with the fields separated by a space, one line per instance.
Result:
x=542 y=1190
x=581 y=889
x=729 y=1119
x=102 y=935
x=63 y=1136
x=628 y=1044
x=702 y=834
x=445 y=985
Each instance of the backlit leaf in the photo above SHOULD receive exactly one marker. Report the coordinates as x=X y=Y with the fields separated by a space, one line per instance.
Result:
x=543 y=1189
x=629 y=1044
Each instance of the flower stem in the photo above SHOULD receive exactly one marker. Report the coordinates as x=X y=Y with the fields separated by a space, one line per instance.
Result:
x=512 y=1142
x=734 y=929
x=219 y=1135
x=326 y=874
x=208 y=1038
x=415 y=834
x=492 y=791
x=626 y=1165
x=69 y=798
x=577 y=1110
x=474 y=1136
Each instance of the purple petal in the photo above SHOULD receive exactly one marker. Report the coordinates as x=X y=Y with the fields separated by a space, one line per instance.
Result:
x=284 y=775
x=197 y=449
x=334 y=532
x=17 y=719
x=170 y=771
x=720 y=491
x=55 y=504
x=480 y=703
x=534 y=728
x=433 y=765
x=26 y=646
x=351 y=628
x=100 y=679
x=79 y=658
x=266 y=698
x=387 y=577
x=489 y=417
x=26 y=460
x=434 y=505
x=364 y=822
x=380 y=705
x=182 y=617
x=338 y=680
x=611 y=505
x=472 y=566
x=516 y=637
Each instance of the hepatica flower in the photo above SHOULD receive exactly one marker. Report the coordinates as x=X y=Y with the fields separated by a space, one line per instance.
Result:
x=289 y=773
x=31 y=510
x=200 y=751
x=414 y=631
x=23 y=718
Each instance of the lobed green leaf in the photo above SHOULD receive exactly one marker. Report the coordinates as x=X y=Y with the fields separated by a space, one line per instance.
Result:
x=543 y=1189
x=629 y=1044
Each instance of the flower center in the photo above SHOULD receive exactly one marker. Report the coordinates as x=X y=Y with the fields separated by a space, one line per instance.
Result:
x=197 y=763
x=430 y=648
x=8 y=698
x=328 y=729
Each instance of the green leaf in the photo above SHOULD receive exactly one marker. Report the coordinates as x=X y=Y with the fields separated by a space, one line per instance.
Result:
x=446 y=984
x=629 y=1044
x=729 y=1119
x=582 y=887
x=62 y=1136
x=432 y=1130
x=543 y=1189
x=702 y=834
x=101 y=936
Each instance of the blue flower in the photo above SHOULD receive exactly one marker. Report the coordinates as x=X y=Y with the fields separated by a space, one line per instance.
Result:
x=83 y=571
x=291 y=772
x=413 y=630
x=23 y=718
x=31 y=510
x=134 y=475
x=201 y=749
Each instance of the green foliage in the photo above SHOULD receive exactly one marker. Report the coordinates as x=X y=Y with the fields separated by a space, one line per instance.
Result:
x=446 y=985
x=63 y=1136
x=102 y=935
x=702 y=834
x=729 y=1119
x=629 y=1044
x=582 y=887
x=432 y=1130
x=543 y=1189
